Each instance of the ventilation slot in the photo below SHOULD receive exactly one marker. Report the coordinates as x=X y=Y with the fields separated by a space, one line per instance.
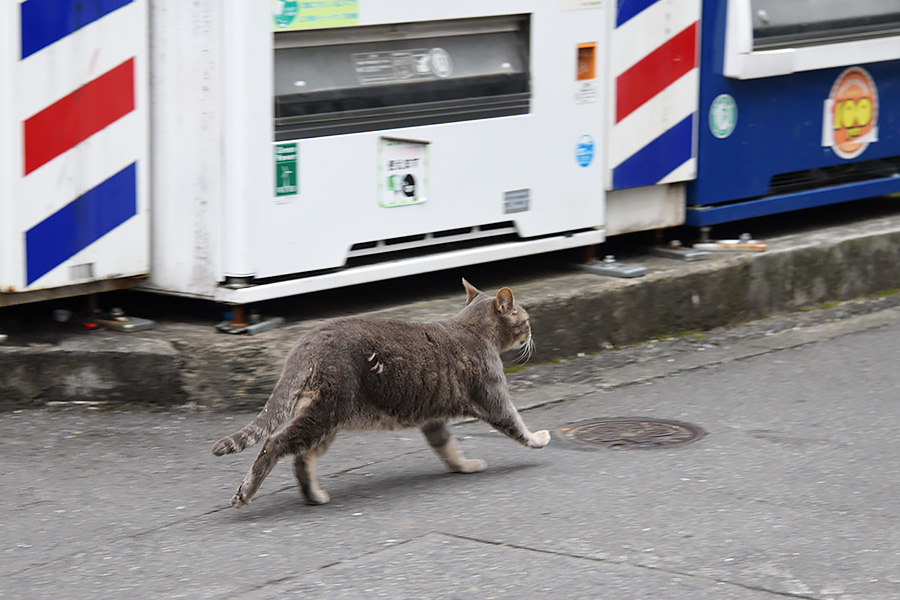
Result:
x=800 y=181
x=447 y=236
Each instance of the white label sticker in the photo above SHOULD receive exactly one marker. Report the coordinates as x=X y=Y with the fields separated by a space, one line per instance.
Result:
x=587 y=92
x=403 y=172
x=395 y=66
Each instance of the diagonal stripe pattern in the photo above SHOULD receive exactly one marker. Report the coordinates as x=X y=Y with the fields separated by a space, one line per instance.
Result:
x=658 y=158
x=657 y=71
x=76 y=117
x=654 y=67
x=80 y=223
x=64 y=114
x=45 y=22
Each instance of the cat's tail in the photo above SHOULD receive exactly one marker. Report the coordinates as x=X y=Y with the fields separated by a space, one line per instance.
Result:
x=279 y=407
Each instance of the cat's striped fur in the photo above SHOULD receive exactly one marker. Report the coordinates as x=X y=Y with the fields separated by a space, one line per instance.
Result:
x=364 y=374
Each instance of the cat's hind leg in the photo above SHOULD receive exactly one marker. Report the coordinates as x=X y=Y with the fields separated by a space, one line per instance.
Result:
x=262 y=466
x=304 y=433
x=438 y=435
x=304 y=469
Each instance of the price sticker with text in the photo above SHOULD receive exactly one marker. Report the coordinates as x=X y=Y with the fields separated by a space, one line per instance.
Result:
x=850 y=121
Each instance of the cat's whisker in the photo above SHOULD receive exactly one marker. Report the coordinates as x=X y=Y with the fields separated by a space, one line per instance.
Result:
x=525 y=352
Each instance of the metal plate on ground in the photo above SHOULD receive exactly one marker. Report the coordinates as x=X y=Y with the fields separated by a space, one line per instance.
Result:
x=610 y=267
x=629 y=433
x=679 y=252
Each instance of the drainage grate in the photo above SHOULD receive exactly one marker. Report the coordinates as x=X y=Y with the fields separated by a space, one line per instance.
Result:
x=629 y=433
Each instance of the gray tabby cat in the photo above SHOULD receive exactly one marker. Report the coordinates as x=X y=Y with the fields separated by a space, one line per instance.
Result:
x=357 y=374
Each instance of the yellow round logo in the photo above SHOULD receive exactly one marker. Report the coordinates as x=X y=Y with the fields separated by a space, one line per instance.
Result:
x=854 y=112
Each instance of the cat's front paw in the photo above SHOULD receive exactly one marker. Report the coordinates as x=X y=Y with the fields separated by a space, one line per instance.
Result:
x=539 y=439
x=223 y=447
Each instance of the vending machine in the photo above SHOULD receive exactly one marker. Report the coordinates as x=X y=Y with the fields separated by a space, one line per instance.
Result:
x=74 y=178
x=300 y=146
x=800 y=106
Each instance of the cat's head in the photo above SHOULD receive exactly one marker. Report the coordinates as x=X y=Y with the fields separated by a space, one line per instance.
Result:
x=508 y=318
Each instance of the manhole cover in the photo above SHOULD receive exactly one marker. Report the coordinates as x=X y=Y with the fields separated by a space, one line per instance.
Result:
x=629 y=433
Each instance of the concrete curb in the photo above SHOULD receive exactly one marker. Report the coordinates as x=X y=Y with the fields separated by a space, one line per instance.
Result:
x=95 y=369
x=796 y=272
x=571 y=312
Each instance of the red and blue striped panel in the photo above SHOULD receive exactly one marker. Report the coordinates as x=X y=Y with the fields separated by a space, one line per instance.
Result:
x=655 y=72
x=58 y=128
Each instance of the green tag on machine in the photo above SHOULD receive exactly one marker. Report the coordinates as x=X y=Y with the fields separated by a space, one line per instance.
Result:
x=286 y=170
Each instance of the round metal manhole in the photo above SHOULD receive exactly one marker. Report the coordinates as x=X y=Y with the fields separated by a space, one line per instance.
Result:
x=629 y=433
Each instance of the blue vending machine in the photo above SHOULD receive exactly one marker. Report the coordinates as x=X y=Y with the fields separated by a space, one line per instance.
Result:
x=799 y=106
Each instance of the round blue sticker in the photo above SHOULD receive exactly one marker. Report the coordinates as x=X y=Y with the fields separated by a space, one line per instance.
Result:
x=584 y=150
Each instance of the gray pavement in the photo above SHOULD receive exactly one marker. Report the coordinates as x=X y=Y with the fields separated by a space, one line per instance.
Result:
x=792 y=492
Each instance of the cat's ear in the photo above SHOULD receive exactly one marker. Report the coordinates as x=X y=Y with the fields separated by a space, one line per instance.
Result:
x=504 y=301
x=471 y=291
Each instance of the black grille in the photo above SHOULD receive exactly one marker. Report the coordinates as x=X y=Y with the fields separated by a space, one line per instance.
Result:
x=800 y=181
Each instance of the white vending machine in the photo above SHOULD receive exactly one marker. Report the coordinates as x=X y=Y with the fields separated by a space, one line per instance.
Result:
x=299 y=146
x=74 y=126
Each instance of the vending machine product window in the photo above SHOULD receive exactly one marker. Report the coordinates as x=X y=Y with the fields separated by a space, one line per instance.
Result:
x=400 y=75
x=768 y=38
x=780 y=24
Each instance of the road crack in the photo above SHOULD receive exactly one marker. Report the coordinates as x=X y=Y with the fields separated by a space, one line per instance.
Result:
x=673 y=572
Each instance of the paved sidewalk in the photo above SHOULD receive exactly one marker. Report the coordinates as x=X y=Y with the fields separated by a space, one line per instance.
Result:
x=791 y=494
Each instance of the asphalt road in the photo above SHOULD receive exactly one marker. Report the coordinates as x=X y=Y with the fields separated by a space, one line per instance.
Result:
x=792 y=492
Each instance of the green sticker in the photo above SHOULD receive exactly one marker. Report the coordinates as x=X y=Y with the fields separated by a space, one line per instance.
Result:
x=286 y=170
x=723 y=116
x=284 y=12
x=313 y=14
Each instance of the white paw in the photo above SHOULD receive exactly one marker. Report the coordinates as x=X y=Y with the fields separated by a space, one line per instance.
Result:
x=471 y=465
x=317 y=497
x=540 y=439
